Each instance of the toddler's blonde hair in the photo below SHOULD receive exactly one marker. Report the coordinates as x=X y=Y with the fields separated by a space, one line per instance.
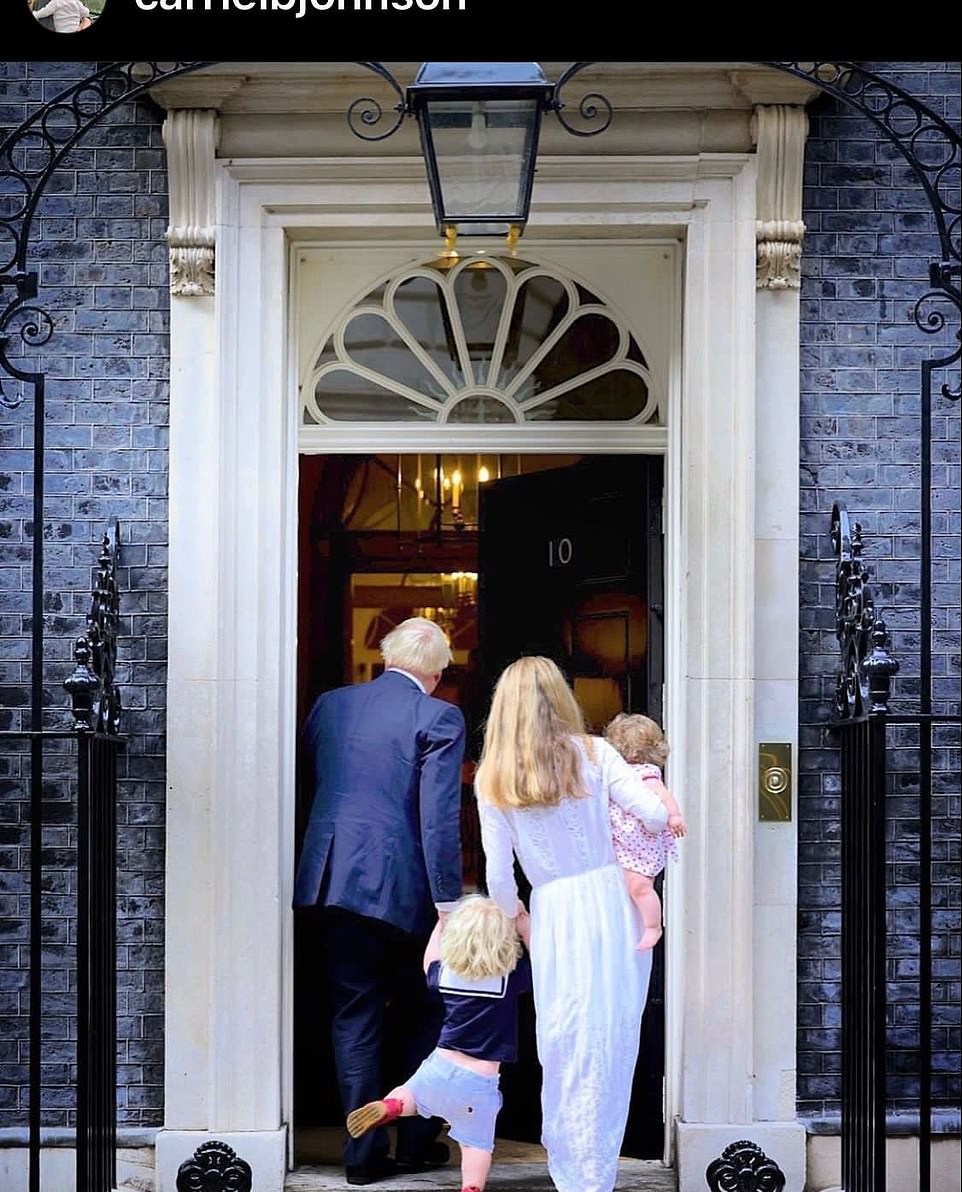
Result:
x=638 y=738
x=479 y=940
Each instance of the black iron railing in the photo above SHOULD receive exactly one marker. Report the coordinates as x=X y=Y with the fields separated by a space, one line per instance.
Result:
x=863 y=954
x=97 y=962
x=96 y=710
x=78 y=766
x=881 y=1082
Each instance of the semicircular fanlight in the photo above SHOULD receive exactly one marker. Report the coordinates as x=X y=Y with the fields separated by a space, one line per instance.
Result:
x=487 y=339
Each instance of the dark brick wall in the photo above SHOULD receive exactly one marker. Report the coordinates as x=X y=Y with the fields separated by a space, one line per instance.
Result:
x=103 y=278
x=870 y=238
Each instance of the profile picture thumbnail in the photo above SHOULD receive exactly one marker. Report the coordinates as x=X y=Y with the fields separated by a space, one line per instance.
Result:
x=65 y=16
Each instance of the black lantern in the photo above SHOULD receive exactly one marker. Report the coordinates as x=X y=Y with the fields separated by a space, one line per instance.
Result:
x=479 y=125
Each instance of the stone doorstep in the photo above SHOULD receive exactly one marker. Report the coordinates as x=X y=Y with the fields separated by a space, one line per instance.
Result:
x=513 y=1171
x=635 y=1175
x=517 y=1167
x=135 y=1169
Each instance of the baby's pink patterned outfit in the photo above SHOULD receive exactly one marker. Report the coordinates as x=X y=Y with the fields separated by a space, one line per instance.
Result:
x=636 y=848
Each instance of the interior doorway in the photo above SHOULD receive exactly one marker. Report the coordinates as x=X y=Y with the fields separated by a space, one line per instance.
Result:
x=512 y=554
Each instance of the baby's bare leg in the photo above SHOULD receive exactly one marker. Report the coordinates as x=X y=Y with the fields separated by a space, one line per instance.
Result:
x=643 y=895
x=475 y=1165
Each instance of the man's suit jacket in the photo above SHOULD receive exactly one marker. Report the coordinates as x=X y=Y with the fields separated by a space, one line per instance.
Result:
x=383 y=838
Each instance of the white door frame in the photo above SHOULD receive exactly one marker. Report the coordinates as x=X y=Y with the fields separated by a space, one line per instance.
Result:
x=231 y=732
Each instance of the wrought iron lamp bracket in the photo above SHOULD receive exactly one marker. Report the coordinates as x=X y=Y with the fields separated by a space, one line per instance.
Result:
x=591 y=106
x=366 y=112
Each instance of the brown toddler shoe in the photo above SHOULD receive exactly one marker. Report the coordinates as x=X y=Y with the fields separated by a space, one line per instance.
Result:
x=374 y=1113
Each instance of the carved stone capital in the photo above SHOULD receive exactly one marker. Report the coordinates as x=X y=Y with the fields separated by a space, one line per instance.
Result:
x=191 y=136
x=779 y=132
x=778 y=253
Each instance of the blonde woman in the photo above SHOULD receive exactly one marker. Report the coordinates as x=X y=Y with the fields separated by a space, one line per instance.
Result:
x=543 y=788
x=476 y=962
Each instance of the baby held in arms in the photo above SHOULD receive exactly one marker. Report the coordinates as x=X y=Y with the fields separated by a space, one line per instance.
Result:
x=642 y=854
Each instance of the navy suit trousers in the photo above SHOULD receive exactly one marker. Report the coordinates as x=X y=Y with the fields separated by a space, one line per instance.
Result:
x=370 y=966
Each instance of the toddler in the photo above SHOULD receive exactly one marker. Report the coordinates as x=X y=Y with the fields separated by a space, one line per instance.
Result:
x=642 y=854
x=476 y=961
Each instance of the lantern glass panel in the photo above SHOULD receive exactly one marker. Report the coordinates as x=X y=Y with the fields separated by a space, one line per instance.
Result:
x=484 y=153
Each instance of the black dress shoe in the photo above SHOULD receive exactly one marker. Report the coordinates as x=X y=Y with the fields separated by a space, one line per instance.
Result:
x=436 y=1155
x=381 y=1168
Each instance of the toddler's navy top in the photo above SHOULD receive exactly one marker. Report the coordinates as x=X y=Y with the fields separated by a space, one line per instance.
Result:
x=481 y=1017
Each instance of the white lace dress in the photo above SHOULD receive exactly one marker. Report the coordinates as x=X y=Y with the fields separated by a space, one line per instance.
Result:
x=590 y=982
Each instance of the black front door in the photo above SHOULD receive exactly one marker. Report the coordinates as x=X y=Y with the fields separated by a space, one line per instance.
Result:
x=570 y=566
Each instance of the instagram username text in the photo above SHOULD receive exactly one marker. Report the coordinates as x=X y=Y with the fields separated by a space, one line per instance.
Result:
x=300 y=7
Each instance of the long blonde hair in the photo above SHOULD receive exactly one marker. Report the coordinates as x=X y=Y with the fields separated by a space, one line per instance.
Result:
x=530 y=758
x=479 y=940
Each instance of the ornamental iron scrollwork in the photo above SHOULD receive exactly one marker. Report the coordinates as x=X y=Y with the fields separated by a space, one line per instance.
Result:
x=364 y=114
x=34 y=327
x=933 y=150
x=214 y=1167
x=92 y=684
x=865 y=666
x=34 y=150
x=591 y=107
x=744 y=1167
x=931 y=146
x=29 y=156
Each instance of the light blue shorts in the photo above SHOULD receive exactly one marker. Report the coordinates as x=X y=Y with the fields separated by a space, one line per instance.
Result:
x=468 y=1101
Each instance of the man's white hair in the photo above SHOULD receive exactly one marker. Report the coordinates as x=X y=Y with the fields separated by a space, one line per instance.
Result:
x=418 y=645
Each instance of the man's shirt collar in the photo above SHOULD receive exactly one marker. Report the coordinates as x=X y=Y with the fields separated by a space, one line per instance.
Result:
x=407 y=674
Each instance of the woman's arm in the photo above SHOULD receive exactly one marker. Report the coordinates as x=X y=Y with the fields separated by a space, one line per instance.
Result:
x=498 y=858
x=629 y=790
x=676 y=821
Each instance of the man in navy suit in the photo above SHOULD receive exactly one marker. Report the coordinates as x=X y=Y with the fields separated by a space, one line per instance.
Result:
x=382 y=856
